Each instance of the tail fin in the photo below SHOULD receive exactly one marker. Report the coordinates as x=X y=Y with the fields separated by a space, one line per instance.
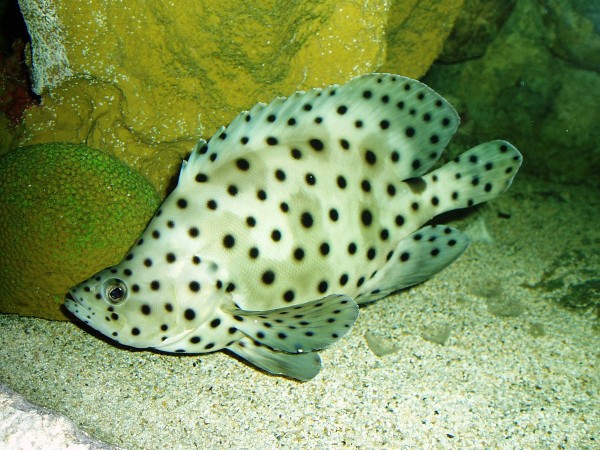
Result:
x=478 y=175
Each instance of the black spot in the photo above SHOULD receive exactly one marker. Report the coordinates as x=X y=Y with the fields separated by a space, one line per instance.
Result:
x=299 y=254
x=307 y=107
x=291 y=122
x=487 y=187
x=127 y=272
x=211 y=204
x=318 y=120
x=324 y=248
x=367 y=94
x=343 y=279
x=215 y=323
x=194 y=232
x=395 y=156
x=370 y=157
x=489 y=166
x=414 y=206
x=358 y=124
x=171 y=224
x=242 y=164
x=384 y=124
x=195 y=339
x=296 y=154
x=201 y=178
x=271 y=118
x=135 y=331
x=455 y=195
x=182 y=203
x=404 y=256
x=253 y=253
x=281 y=335
x=268 y=277
x=371 y=253
x=310 y=179
x=360 y=281
x=473 y=159
x=400 y=105
x=434 y=139
x=410 y=132
x=316 y=144
x=322 y=287
x=196 y=260
x=261 y=194
x=342 y=110
x=306 y=220
x=344 y=144
x=276 y=235
x=164 y=327
x=194 y=286
x=475 y=181
x=391 y=190
x=385 y=98
x=250 y=221
x=399 y=220
x=135 y=288
x=209 y=346
x=365 y=186
x=446 y=121
x=384 y=234
x=435 y=201
x=352 y=248
x=244 y=140
x=271 y=140
x=366 y=217
x=288 y=296
x=333 y=215
x=168 y=307
x=148 y=262
x=155 y=285
x=280 y=175
x=145 y=310
x=416 y=164
x=452 y=242
x=435 y=252
x=232 y=190
x=341 y=182
x=284 y=207
x=189 y=314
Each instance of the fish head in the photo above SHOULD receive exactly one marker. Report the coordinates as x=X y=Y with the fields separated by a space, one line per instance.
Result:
x=149 y=310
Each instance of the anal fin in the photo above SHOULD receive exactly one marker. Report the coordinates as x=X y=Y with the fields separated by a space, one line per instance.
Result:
x=416 y=258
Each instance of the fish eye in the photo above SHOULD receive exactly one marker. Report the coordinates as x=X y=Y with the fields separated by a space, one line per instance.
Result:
x=114 y=291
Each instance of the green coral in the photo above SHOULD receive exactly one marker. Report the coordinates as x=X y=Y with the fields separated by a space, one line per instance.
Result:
x=66 y=211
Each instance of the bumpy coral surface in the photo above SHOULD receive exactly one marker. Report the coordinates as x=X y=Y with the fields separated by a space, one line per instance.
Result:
x=65 y=211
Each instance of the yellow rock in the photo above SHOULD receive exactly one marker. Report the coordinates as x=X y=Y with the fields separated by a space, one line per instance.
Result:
x=66 y=211
x=147 y=79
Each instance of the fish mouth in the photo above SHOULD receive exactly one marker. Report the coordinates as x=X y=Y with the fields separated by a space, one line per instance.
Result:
x=72 y=305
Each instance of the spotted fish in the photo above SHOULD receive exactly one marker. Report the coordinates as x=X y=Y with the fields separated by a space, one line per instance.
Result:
x=289 y=218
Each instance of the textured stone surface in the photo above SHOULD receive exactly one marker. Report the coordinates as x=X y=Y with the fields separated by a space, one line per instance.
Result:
x=476 y=26
x=66 y=211
x=520 y=90
x=574 y=31
x=145 y=80
x=24 y=425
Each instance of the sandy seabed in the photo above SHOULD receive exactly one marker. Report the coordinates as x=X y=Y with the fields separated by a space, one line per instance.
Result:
x=518 y=370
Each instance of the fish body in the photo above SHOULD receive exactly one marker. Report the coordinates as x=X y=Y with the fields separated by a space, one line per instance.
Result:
x=289 y=218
